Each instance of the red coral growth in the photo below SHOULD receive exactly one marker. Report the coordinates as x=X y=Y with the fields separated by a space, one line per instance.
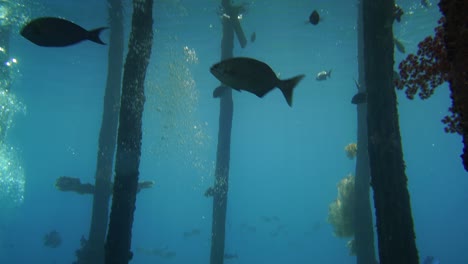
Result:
x=456 y=43
x=453 y=122
x=426 y=70
x=441 y=58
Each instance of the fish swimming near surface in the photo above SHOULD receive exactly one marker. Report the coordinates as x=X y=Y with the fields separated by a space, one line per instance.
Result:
x=251 y=75
x=58 y=32
x=314 y=18
x=323 y=75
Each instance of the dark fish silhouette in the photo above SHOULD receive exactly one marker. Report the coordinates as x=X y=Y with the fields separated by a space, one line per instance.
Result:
x=253 y=76
x=314 y=18
x=359 y=98
x=52 y=239
x=58 y=32
x=253 y=37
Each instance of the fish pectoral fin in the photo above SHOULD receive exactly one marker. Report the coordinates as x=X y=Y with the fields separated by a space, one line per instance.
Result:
x=261 y=93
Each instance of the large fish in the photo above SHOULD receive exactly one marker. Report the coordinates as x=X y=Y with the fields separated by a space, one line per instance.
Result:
x=253 y=76
x=58 y=32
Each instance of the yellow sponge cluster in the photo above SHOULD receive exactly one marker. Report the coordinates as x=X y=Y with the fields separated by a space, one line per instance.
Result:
x=341 y=211
x=351 y=150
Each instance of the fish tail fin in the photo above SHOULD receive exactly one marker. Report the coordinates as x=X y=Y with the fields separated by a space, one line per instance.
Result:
x=93 y=35
x=287 y=87
x=329 y=73
x=219 y=91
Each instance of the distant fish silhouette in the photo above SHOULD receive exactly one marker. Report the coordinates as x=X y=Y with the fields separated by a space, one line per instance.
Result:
x=253 y=37
x=314 y=18
x=359 y=98
x=52 y=239
x=58 y=32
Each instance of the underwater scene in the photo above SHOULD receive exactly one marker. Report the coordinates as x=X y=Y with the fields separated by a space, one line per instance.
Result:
x=215 y=131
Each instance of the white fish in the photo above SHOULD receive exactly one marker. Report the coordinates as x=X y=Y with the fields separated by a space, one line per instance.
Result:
x=323 y=75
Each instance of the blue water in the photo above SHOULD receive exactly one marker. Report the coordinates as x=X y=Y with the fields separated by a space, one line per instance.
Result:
x=285 y=162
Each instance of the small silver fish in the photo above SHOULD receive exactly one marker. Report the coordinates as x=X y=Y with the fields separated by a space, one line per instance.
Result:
x=251 y=75
x=323 y=75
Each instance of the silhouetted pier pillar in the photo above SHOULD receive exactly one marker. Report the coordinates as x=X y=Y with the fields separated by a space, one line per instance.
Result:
x=364 y=228
x=92 y=251
x=394 y=220
x=231 y=25
x=118 y=243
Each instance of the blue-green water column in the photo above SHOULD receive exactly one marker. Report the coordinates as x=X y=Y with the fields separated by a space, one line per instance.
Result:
x=5 y=33
x=118 y=244
x=394 y=220
x=363 y=226
x=223 y=154
x=93 y=250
